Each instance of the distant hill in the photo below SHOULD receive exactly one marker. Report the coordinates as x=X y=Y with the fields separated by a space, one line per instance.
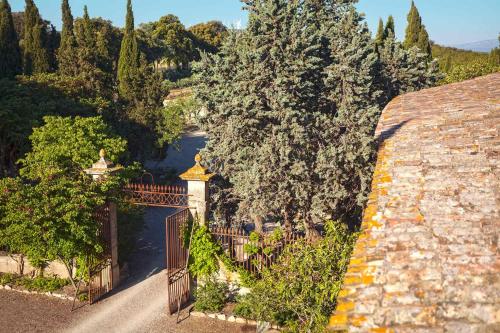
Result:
x=481 y=46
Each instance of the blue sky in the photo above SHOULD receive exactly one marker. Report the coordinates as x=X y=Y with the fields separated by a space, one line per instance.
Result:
x=449 y=22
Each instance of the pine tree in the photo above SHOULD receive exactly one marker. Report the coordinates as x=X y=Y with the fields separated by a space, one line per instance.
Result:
x=379 y=38
x=10 y=54
x=67 y=50
x=129 y=61
x=36 y=57
x=389 y=27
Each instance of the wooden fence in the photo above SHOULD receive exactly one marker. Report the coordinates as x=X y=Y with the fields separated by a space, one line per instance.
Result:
x=235 y=243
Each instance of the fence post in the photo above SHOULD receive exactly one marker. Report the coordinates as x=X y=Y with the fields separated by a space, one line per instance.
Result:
x=99 y=171
x=198 y=179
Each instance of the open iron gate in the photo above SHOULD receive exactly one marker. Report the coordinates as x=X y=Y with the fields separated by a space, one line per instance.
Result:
x=177 y=257
x=100 y=272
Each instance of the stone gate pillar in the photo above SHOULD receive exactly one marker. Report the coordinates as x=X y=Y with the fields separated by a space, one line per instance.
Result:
x=99 y=171
x=198 y=179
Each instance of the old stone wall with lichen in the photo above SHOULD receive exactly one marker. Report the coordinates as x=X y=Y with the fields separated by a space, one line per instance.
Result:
x=428 y=257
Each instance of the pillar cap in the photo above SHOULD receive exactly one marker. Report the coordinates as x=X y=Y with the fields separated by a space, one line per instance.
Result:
x=197 y=172
x=103 y=166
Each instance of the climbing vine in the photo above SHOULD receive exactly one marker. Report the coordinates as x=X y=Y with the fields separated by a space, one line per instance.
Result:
x=205 y=254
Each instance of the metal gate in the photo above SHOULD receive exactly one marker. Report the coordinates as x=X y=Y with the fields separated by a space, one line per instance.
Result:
x=177 y=257
x=100 y=273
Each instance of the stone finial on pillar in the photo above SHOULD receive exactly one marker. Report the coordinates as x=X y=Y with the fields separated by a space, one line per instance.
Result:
x=103 y=167
x=198 y=179
x=100 y=170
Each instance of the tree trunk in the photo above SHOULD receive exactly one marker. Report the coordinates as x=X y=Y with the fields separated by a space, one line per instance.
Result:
x=259 y=226
x=311 y=232
x=70 y=272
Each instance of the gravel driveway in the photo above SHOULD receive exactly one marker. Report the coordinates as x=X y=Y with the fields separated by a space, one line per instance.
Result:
x=139 y=304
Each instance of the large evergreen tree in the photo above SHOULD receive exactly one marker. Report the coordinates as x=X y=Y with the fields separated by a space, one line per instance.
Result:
x=67 y=50
x=36 y=56
x=129 y=61
x=10 y=54
x=87 y=61
x=292 y=103
x=281 y=103
x=343 y=162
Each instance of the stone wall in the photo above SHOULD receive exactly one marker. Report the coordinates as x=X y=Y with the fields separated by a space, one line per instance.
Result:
x=428 y=257
x=9 y=264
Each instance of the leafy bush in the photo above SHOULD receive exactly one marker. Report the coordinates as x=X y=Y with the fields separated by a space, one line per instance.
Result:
x=211 y=296
x=469 y=71
x=7 y=278
x=243 y=308
x=300 y=290
x=173 y=119
x=203 y=254
x=42 y=284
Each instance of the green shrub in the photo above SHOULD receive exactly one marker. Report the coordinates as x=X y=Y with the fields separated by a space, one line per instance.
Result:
x=211 y=296
x=299 y=292
x=469 y=71
x=42 y=284
x=243 y=308
x=203 y=254
x=7 y=278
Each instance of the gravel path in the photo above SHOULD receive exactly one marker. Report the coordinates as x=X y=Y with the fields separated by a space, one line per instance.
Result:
x=182 y=158
x=139 y=304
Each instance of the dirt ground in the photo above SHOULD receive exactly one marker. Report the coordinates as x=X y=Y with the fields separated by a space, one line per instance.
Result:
x=32 y=313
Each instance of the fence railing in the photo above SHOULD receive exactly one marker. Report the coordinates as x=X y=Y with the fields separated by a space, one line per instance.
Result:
x=236 y=244
x=157 y=195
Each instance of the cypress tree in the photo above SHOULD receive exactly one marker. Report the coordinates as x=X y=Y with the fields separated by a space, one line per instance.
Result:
x=416 y=34
x=36 y=57
x=389 y=27
x=10 y=54
x=292 y=103
x=413 y=28
x=87 y=56
x=67 y=50
x=129 y=60
x=379 y=38
x=423 y=42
